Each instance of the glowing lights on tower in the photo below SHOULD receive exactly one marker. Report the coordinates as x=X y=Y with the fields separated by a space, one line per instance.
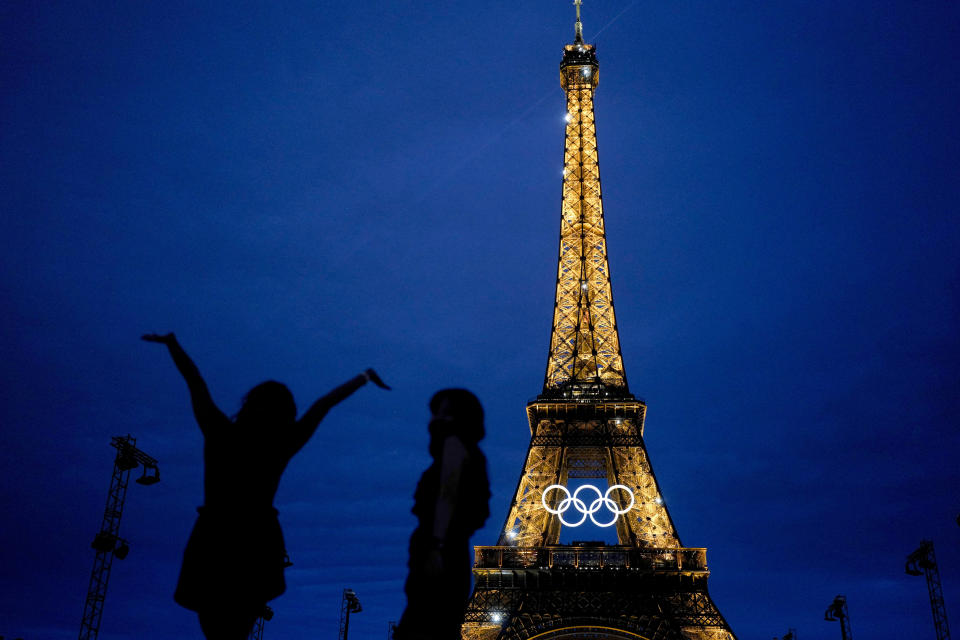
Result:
x=602 y=500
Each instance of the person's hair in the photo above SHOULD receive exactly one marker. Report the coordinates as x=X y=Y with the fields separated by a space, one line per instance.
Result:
x=466 y=411
x=269 y=401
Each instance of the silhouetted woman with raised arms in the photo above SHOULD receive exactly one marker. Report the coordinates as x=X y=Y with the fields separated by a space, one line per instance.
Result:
x=234 y=560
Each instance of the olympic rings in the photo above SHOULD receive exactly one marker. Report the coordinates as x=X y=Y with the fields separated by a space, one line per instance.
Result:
x=602 y=500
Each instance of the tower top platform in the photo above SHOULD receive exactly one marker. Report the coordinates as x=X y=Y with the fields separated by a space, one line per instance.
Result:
x=579 y=54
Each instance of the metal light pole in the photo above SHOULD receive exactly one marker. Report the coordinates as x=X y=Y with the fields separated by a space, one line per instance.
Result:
x=838 y=611
x=257 y=632
x=348 y=604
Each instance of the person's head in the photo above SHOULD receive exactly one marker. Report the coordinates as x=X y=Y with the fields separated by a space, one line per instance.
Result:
x=268 y=402
x=456 y=412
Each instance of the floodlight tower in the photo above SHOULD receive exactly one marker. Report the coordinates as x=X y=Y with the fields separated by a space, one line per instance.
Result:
x=348 y=604
x=257 y=632
x=108 y=543
x=838 y=611
x=923 y=561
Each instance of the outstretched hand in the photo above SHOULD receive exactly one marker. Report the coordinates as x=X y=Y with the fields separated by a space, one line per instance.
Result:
x=167 y=338
x=375 y=379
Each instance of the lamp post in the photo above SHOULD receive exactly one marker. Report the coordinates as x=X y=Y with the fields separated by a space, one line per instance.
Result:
x=348 y=604
x=837 y=611
x=265 y=616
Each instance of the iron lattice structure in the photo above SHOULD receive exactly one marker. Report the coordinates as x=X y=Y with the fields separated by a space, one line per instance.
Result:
x=256 y=633
x=837 y=612
x=587 y=424
x=108 y=542
x=924 y=561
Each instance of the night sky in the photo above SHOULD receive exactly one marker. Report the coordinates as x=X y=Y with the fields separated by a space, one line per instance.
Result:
x=301 y=190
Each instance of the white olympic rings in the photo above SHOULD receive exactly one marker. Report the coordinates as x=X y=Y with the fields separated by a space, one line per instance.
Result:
x=602 y=500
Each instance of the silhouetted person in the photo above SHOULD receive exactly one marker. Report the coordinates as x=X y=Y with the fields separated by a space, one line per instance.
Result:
x=234 y=560
x=451 y=502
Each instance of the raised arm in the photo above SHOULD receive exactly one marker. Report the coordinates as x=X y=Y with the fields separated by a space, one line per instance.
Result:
x=204 y=409
x=308 y=423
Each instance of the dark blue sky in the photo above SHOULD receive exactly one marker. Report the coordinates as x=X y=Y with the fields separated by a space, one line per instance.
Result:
x=302 y=190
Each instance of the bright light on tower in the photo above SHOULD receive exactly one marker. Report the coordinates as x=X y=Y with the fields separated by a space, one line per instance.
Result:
x=589 y=507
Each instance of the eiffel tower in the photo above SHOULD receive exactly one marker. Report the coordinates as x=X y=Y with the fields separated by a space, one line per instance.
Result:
x=586 y=424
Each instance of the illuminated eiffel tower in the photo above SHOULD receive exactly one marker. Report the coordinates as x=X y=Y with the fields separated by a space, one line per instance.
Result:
x=587 y=424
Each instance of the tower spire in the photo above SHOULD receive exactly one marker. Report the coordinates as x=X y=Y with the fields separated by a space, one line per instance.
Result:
x=584 y=357
x=579 y=26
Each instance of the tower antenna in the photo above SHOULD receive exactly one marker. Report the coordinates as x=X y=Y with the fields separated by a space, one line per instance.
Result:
x=579 y=27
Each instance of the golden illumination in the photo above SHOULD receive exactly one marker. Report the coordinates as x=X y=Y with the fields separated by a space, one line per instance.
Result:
x=586 y=424
x=606 y=442
x=584 y=346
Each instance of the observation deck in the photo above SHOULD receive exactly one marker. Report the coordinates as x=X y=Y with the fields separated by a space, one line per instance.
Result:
x=503 y=574
x=579 y=68
x=671 y=560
